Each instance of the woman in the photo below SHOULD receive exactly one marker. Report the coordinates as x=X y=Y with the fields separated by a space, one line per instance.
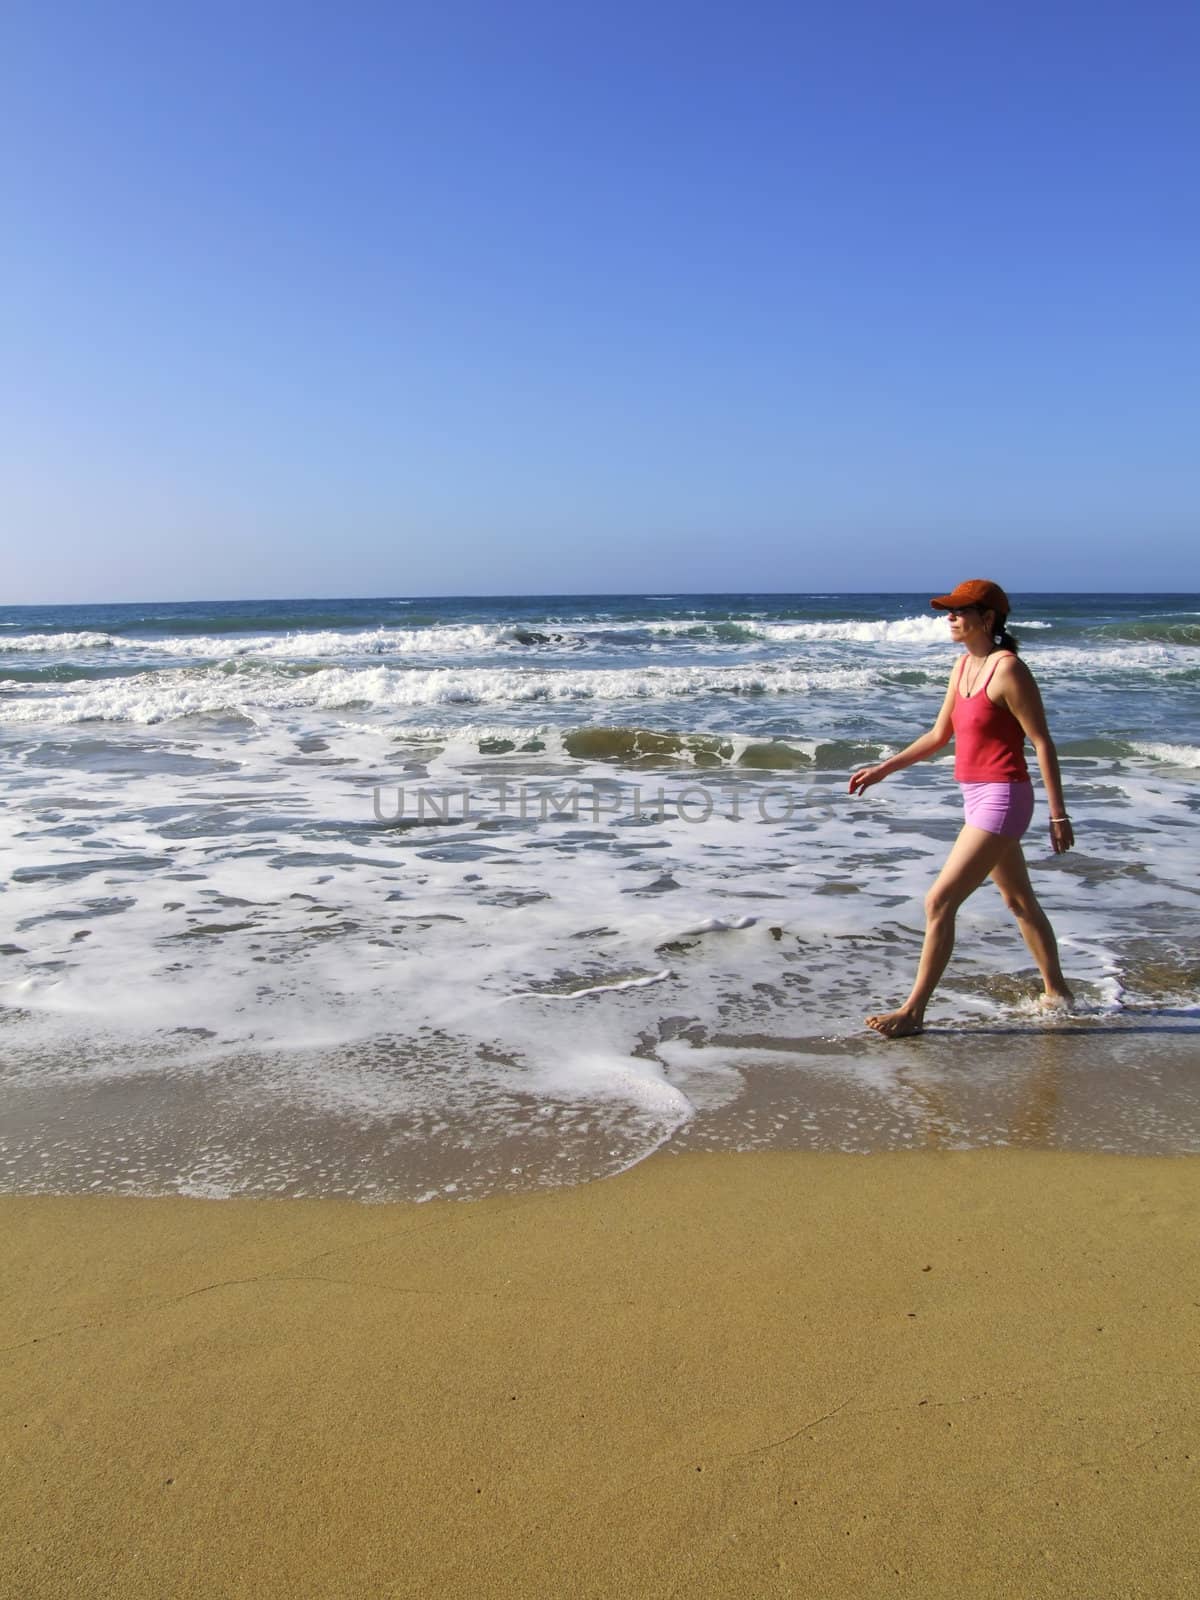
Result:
x=992 y=705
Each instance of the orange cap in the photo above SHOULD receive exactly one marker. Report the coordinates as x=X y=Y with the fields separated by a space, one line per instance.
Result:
x=979 y=592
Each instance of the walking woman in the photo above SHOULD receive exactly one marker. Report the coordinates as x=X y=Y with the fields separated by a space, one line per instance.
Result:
x=992 y=706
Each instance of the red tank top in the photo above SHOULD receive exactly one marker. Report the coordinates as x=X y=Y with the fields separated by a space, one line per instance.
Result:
x=989 y=742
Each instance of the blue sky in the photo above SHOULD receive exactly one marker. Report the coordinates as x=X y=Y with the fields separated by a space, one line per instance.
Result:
x=465 y=298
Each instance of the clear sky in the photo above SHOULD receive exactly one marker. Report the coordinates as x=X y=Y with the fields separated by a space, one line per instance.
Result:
x=457 y=297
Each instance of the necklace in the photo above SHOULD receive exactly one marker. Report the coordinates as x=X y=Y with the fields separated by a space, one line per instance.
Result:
x=969 y=693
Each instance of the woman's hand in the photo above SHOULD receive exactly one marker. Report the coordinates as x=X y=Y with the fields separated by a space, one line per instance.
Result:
x=1062 y=835
x=862 y=780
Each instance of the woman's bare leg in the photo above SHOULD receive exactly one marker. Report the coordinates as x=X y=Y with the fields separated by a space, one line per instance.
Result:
x=1011 y=877
x=971 y=860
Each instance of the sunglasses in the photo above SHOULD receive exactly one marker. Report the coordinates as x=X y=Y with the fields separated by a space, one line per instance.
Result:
x=961 y=611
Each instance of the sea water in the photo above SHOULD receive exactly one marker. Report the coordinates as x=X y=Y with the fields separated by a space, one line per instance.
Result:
x=410 y=896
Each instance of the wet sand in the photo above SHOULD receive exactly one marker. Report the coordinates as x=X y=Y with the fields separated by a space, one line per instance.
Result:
x=923 y=1373
x=242 y=1127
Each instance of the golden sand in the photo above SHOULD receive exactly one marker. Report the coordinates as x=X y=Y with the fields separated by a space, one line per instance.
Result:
x=926 y=1374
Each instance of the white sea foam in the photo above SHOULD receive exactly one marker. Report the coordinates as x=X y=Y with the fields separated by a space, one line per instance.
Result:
x=644 y=981
x=158 y=697
x=899 y=630
x=294 y=646
x=589 y=1074
x=459 y=974
x=1114 y=661
x=452 y=639
x=53 y=643
x=1177 y=755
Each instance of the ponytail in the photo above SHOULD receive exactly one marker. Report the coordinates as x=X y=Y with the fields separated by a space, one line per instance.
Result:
x=1004 y=639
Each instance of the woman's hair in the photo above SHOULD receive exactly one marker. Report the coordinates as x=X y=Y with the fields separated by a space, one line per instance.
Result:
x=1004 y=639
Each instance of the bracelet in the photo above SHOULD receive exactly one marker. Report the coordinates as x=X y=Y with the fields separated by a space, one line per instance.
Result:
x=1060 y=819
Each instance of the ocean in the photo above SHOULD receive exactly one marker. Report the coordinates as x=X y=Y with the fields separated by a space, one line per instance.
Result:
x=408 y=897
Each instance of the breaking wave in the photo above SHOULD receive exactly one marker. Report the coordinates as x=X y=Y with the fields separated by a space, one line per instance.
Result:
x=165 y=696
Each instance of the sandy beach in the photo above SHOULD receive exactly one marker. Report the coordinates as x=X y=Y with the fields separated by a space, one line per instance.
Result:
x=929 y=1373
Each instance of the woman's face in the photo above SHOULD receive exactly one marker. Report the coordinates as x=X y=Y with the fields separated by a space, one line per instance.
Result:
x=970 y=623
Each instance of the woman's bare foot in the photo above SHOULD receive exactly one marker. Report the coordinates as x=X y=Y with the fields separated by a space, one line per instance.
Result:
x=1056 y=999
x=900 y=1024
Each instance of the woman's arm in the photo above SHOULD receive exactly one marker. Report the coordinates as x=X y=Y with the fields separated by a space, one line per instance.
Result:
x=928 y=744
x=1017 y=689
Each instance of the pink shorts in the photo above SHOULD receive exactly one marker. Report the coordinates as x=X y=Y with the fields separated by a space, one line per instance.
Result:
x=1004 y=808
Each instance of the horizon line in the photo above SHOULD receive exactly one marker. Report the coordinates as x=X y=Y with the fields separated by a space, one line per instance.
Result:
x=559 y=594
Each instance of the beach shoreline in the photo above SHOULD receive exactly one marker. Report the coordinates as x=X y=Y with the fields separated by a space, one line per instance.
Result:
x=925 y=1372
x=239 y=1128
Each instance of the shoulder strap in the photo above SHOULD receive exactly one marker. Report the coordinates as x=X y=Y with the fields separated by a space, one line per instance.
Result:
x=1002 y=655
